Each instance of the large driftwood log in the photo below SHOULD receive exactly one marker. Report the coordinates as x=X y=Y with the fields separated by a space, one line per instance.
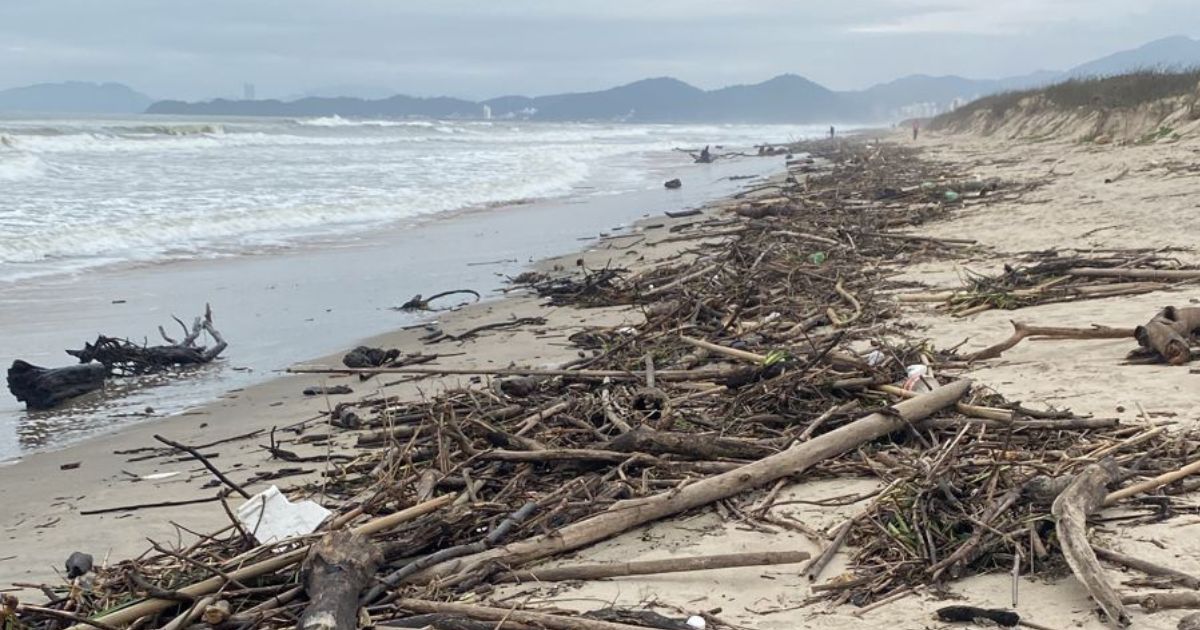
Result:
x=335 y=572
x=122 y=357
x=1083 y=496
x=44 y=388
x=1169 y=333
x=625 y=515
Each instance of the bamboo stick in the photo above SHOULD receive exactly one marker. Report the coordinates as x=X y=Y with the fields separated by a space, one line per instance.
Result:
x=652 y=567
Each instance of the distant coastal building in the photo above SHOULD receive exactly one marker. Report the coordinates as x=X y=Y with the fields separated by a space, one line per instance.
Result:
x=487 y=112
x=247 y=91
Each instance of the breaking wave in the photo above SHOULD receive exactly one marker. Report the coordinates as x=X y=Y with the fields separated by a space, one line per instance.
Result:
x=338 y=121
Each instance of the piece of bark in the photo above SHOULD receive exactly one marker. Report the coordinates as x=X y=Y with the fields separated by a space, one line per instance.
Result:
x=1190 y=622
x=336 y=570
x=970 y=614
x=625 y=515
x=333 y=390
x=654 y=567
x=1084 y=495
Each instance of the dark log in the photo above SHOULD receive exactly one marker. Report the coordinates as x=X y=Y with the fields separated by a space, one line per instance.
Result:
x=335 y=572
x=44 y=388
x=971 y=614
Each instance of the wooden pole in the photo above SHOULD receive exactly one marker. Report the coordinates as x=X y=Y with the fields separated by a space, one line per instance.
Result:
x=652 y=567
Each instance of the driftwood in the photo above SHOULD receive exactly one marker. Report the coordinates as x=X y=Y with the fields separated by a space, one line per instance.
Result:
x=418 y=303
x=502 y=616
x=1082 y=497
x=151 y=606
x=1147 y=567
x=1022 y=331
x=628 y=514
x=335 y=572
x=1138 y=274
x=653 y=567
x=644 y=440
x=1154 y=602
x=1169 y=333
x=45 y=388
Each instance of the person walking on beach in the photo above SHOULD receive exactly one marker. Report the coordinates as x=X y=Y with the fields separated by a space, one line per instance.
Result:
x=916 y=128
x=831 y=132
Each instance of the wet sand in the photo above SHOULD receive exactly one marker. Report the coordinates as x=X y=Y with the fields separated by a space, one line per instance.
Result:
x=282 y=307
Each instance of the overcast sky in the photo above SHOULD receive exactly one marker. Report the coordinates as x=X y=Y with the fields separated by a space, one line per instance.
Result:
x=483 y=48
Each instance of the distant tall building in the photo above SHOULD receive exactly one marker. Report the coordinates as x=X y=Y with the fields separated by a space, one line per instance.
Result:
x=487 y=112
x=248 y=91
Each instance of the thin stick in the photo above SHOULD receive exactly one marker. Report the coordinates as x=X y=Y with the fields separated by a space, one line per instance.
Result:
x=1152 y=484
x=207 y=464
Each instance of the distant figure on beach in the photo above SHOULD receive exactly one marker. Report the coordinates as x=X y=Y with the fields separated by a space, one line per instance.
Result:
x=831 y=132
x=916 y=128
x=705 y=156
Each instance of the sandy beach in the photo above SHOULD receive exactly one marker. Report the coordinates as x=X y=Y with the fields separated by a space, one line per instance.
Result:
x=1067 y=206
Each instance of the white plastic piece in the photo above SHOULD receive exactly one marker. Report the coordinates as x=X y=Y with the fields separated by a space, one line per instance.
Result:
x=271 y=518
x=696 y=621
x=875 y=358
x=920 y=378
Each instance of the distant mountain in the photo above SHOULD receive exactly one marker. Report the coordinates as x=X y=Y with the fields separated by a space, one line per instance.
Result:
x=786 y=98
x=924 y=95
x=393 y=107
x=1171 y=53
x=75 y=97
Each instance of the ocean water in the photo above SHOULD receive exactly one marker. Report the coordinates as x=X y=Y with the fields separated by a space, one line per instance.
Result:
x=301 y=234
x=81 y=193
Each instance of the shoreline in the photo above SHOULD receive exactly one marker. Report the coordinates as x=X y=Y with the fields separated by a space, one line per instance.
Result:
x=1037 y=373
x=108 y=476
x=288 y=306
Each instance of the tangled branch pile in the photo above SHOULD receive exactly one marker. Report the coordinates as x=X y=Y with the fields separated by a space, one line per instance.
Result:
x=769 y=356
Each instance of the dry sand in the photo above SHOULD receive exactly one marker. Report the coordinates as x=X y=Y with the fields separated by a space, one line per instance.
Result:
x=1149 y=206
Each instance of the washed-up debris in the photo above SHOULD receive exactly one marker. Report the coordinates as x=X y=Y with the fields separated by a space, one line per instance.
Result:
x=753 y=366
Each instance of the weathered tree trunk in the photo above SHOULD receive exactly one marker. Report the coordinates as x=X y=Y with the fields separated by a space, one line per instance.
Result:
x=44 y=388
x=1169 y=332
x=1082 y=497
x=334 y=574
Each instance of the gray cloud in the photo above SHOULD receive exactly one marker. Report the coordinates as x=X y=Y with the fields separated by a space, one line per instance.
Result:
x=473 y=48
